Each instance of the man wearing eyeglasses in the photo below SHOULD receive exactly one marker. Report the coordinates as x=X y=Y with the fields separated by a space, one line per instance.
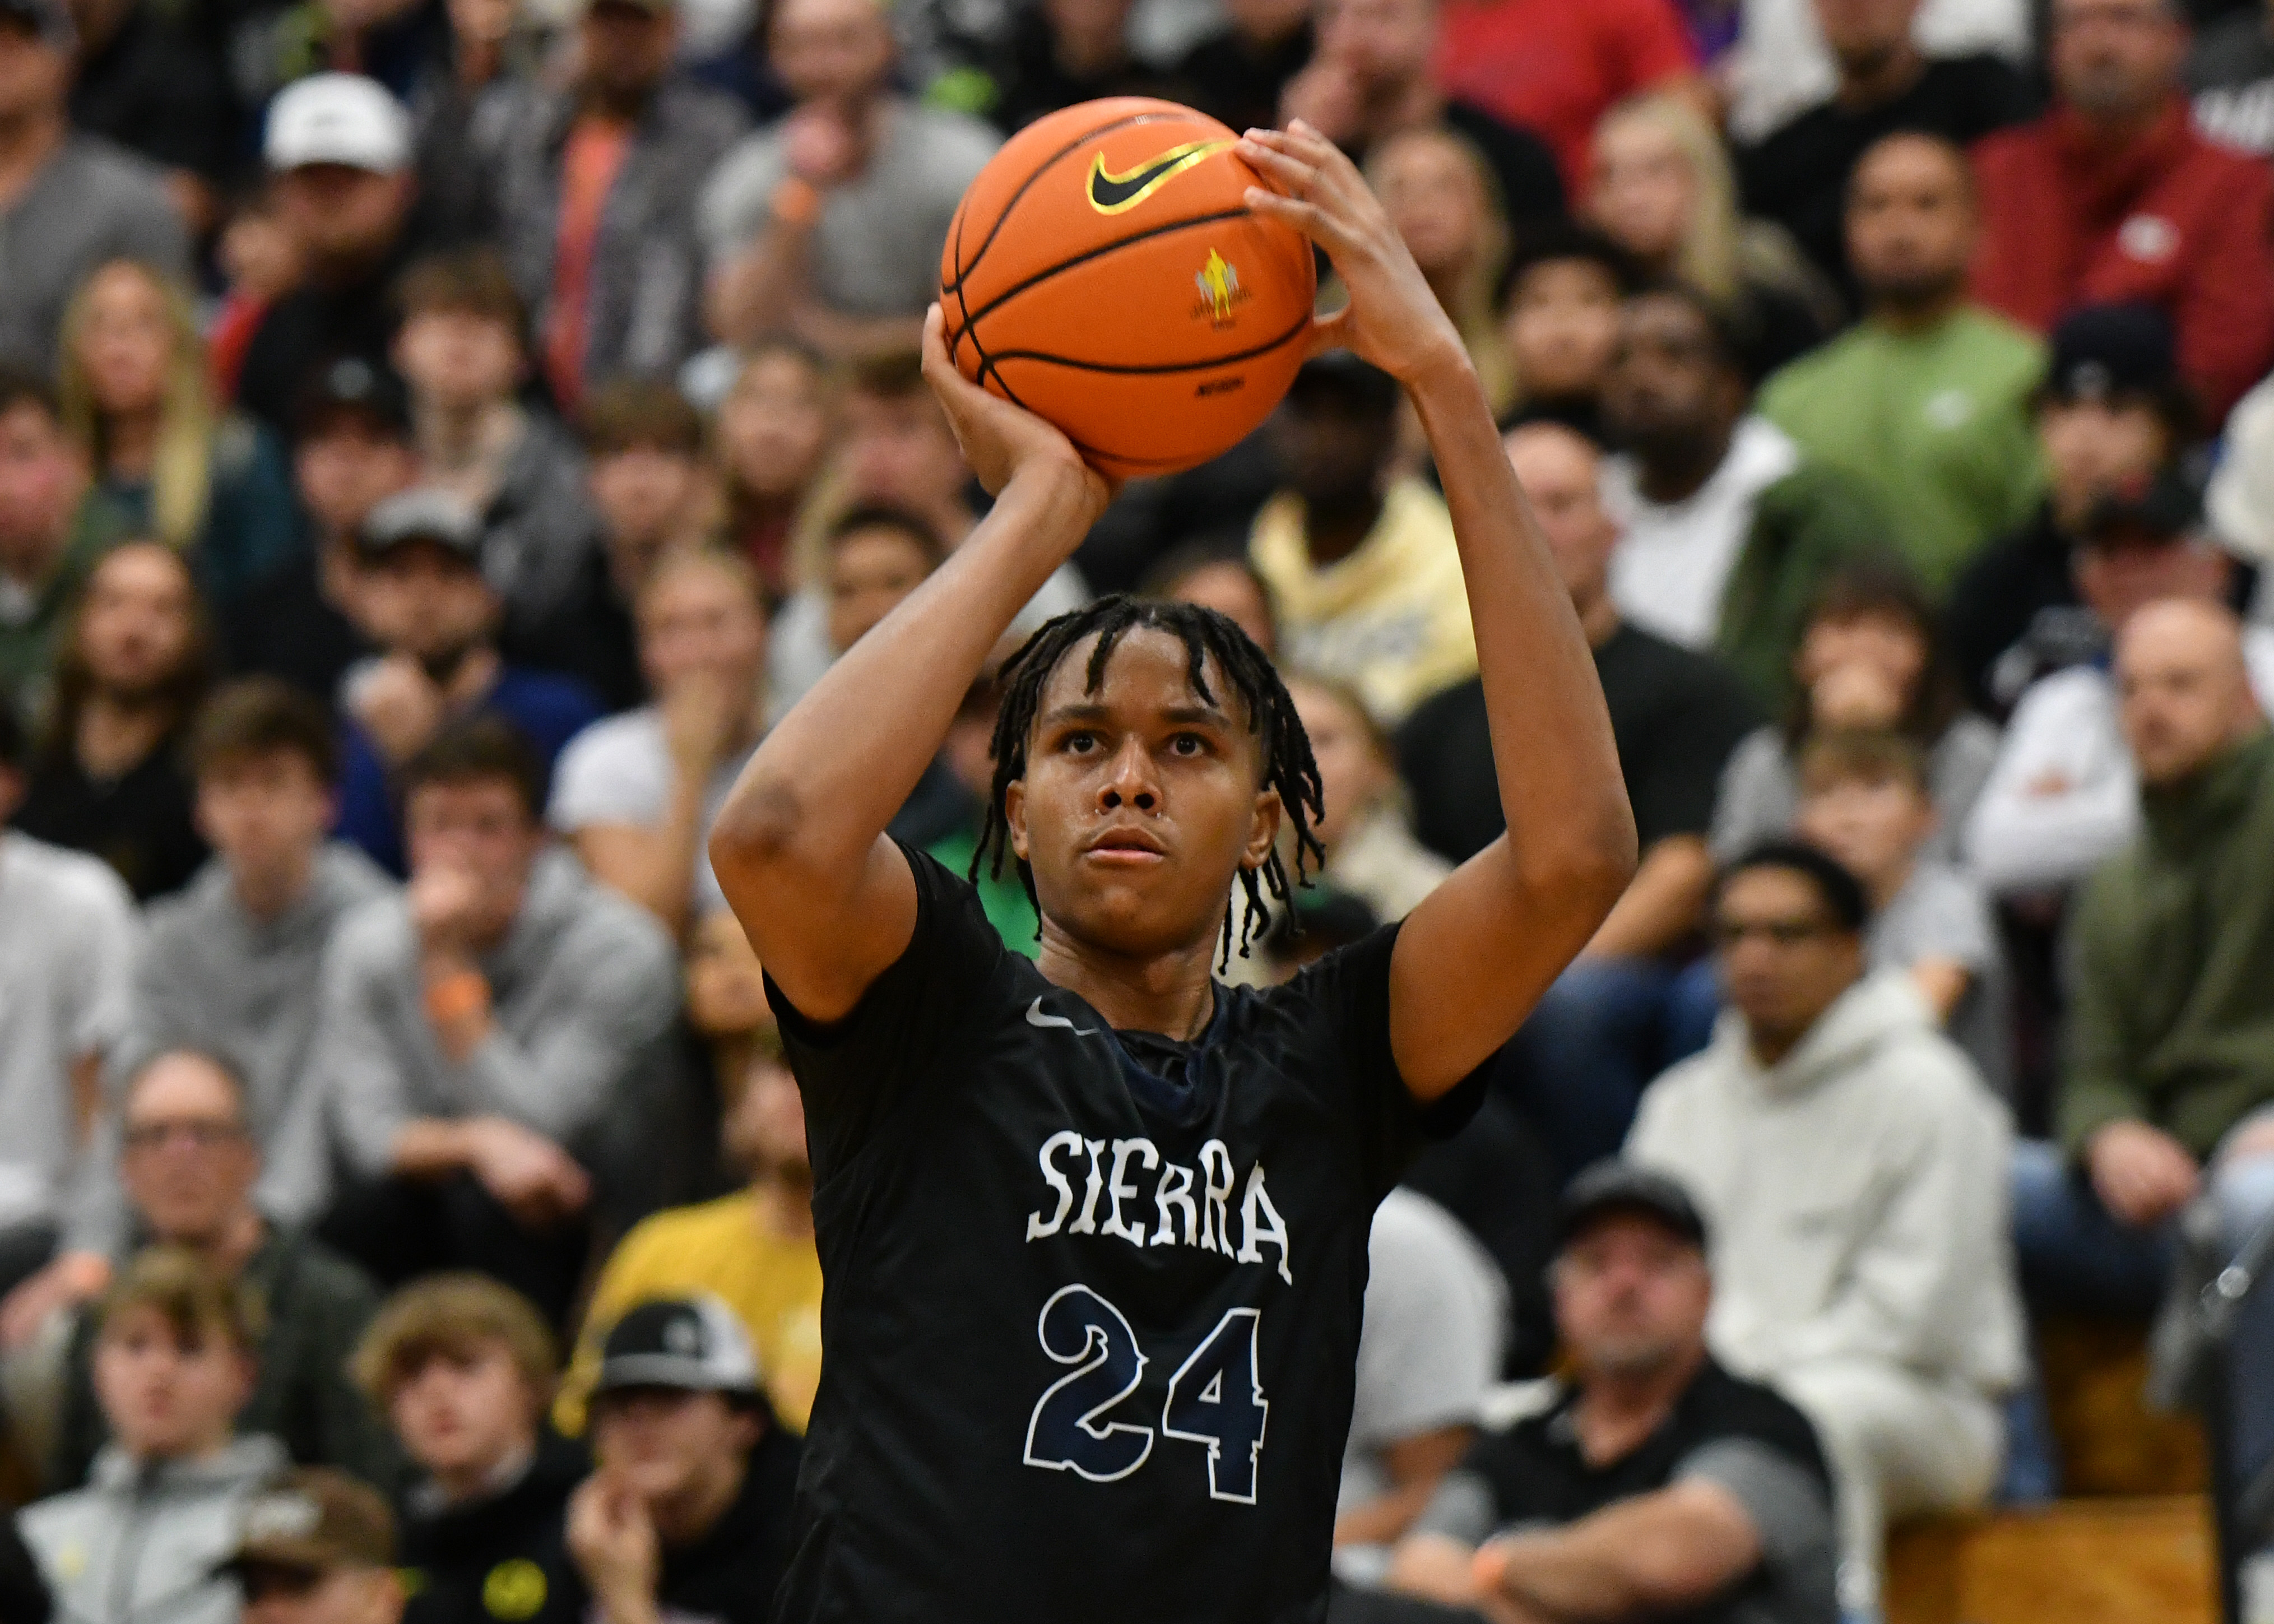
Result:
x=189 y=1163
x=1850 y=1166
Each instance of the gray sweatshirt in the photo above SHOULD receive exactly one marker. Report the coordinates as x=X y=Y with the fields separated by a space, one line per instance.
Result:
x=138 y=1544
x=582 y=991
x=213 y=977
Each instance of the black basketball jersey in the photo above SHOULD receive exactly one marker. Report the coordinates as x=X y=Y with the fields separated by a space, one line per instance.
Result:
x=1092 y=1300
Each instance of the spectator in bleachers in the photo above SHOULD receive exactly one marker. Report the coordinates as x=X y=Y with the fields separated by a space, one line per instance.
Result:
x=2230 y=78
x=774 y=435
x=1926 y=400
x=2063 y=796
x=876 y=556
x=51 y=536
x=1555 y=69
x=231 y=966
x=1596 y=1037
x=425 y=602
x=147 y=1537
x=633 y=793
x=595 y=186
x=1798 y=174
x=189 y=1164
x=727 y=998
x=752 y=1250
x=319 y=1548
x=1371 y=852
x=139 y=410
x=1784 y=66
x=152 y=80
x=69 y=199
x=645 y=474
x=2239 y=498
x=1237 y=70
x=68 y=937
x=351 y=450
x=1728 y=532
x=1559 y=321
x=1429 y=1352
x=2114 y=196
x=338 y=148
x=1063 y=51
x=481 y=1030
x=1869 y=658
x=1360 y=564
x=462 y=1369
x=1662 y=188
x=2111 y=415
x=109 y=779
x=1852 y=1168
x=2169 y=1070
x=688 y=1512
x=1370 y=78
x=462 y=350
x=1656 y=1484
x=830 y=223
x=1223 y=580
x=1865 y=799
x=1443 y=201
x=259 y=262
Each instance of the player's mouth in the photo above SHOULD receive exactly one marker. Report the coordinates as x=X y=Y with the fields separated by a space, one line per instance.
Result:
x=1125 y=848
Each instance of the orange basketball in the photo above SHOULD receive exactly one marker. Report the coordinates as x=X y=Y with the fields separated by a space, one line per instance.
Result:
x=1104 y=271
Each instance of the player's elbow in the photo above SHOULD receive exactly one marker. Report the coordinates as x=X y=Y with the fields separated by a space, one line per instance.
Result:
x=761 y=830
x=1584 y=866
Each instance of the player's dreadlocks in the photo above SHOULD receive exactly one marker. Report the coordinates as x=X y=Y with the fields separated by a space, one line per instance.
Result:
x=1207 y=635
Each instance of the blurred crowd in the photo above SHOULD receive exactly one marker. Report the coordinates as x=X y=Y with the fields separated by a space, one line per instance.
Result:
x=438 y=437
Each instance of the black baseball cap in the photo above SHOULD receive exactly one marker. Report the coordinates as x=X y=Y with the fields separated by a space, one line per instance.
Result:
x=693 y=1344
x=350 y=384
x=2108 y=352
x=428 y=513
x=1612 y=1186
x=2167 y=507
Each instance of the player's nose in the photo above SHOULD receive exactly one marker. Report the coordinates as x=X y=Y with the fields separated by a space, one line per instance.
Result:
x=1130 y=780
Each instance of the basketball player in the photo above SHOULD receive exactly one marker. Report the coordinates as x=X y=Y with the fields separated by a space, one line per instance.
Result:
x=1093 y=1228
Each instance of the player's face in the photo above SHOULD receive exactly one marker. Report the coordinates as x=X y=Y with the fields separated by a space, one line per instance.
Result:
x=1141 y=800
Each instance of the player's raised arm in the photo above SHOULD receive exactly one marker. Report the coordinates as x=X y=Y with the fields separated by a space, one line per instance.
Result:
x=799 y=848
x=1472 y=960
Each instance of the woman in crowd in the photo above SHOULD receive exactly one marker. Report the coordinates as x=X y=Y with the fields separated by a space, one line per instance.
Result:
x=1220 y=579
x=1871 y=658
x=1443 y=200
x=770 y=441
x=1371 y=853
x=1559 y=325
x=1661 y=187
x=138 y=401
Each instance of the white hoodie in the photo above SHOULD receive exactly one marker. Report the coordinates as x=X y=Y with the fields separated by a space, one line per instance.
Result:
x=1854 y=1192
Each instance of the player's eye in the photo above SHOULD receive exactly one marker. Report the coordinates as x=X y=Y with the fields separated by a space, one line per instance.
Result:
x=1079 y=742
x=1187 y=744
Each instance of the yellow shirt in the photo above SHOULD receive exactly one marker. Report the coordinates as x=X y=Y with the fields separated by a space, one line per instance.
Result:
x=772 y=1283
x=1391 y=618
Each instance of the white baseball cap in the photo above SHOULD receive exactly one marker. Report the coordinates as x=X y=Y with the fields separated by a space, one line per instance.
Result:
x=338 y=118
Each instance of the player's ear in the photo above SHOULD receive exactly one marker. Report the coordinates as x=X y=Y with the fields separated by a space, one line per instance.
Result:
x=1263 y=830
x=1015 y=817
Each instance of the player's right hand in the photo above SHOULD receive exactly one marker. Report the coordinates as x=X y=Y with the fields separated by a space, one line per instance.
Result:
x=999 y=440
x=1392 y=320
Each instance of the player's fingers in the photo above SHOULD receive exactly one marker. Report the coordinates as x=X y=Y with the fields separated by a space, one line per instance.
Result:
x=1329 y=332
x=1287 y=174
x=1304 y=140
x=1312 y=221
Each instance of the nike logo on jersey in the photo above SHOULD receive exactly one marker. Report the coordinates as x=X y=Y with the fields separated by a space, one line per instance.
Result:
x=1036 y=1017
x=1193 y=1206
x=1113 y=194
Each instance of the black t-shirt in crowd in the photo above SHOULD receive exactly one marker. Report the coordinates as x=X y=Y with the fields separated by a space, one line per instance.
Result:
x=730 y=1575
x=1797 y=176
x=285 y=628
x=142 y=822
x=2014 y=616
x=1232 y=79
x=1092 y=1297
x=505 y=1557
x=1676 y=715
x=1736 y=1434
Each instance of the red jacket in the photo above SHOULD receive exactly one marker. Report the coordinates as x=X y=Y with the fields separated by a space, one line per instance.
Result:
x=2172 y=220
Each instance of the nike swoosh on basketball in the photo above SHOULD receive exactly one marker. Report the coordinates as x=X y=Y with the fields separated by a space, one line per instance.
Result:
x=1110 y=193
x=1036 y=1017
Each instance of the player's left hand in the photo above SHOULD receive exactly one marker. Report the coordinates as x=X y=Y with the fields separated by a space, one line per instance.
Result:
x=1392 y=320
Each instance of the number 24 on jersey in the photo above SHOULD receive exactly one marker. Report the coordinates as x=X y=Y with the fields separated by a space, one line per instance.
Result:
x=1215 y=1398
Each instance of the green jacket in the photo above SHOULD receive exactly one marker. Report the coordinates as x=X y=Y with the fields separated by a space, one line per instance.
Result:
x=317 y=1305
x=2172 y=1018
x=1804 y=526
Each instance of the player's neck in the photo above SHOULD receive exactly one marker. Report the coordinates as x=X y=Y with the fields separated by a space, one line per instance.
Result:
x=1170 y=993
